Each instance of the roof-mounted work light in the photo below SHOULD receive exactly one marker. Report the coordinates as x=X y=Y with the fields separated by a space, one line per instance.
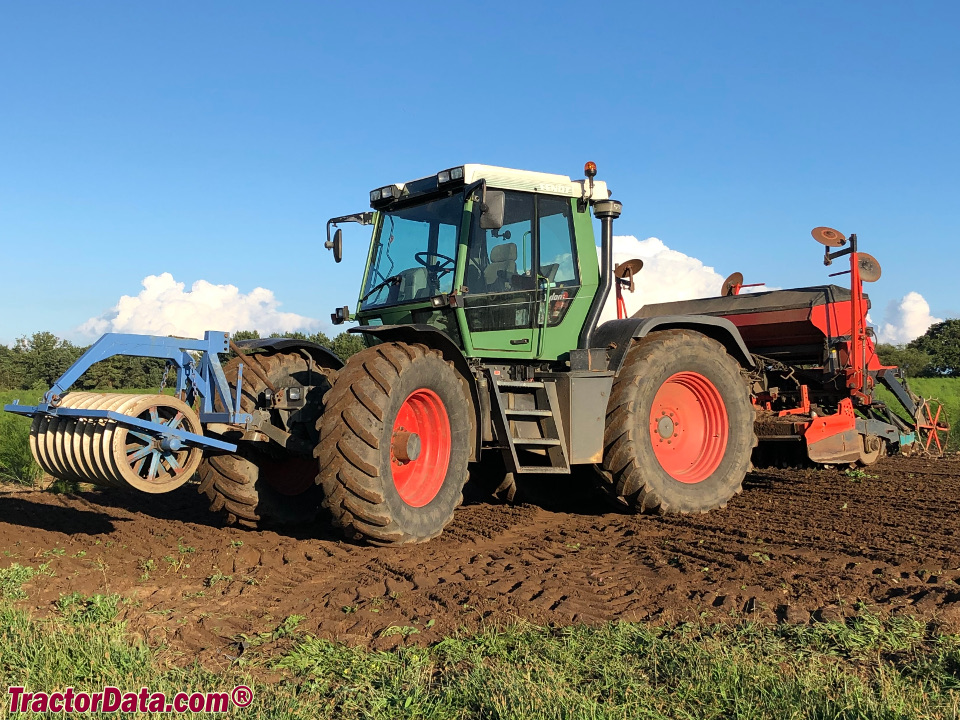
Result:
x=387 y=194
x=451 y=175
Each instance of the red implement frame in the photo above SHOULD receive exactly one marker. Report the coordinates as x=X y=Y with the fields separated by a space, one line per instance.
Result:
x=834 y=438
x=621 y=304
x=858 y=380
x=804 y=408
x=737 y=287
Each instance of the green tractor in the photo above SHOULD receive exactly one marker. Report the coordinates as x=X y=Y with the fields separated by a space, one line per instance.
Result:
x=479 y=307
x=479 y=310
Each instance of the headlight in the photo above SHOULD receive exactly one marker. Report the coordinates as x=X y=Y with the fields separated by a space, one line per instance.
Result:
x=388 y=192
x=374 y=195
x=443 y=177
x=456 y=173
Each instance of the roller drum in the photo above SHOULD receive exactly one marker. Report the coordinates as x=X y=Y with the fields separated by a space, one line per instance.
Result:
x=106 y=453
x=63 y=436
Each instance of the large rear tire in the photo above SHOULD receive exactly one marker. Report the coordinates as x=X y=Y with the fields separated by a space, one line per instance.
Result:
x=263 y=485
x=394 y=444
x=679 y=429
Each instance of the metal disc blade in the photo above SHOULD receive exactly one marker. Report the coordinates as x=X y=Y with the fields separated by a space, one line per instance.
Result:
x=626 y=270
x=628 y=267
x=733 y=279
x=869 y=267
x=828 y=236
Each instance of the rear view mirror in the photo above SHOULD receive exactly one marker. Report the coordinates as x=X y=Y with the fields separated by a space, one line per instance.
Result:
x=492 y=216
x=336 y=245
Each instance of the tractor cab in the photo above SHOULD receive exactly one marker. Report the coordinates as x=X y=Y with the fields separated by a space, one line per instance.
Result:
x=501 y=261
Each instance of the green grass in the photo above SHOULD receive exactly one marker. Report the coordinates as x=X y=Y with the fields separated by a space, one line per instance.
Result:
x=947 y=390
x=16 y=462
x=865 y=668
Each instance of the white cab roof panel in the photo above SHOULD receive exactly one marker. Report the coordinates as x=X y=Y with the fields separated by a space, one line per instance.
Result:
x=548 y=183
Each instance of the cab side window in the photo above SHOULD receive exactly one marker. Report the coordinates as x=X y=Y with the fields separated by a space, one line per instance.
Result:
x=558 y=253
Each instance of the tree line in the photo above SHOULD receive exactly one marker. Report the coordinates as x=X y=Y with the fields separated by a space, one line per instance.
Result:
x=38 y=360
x=936 y=353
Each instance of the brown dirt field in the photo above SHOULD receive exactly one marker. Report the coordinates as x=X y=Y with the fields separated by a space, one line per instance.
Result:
x=797 y=545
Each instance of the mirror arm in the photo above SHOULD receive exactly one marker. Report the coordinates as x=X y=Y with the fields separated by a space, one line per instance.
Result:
x=472 y=187
x=364 y=218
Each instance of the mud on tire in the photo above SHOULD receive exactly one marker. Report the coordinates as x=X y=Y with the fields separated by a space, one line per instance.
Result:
x=371 y=492
x=695 y=374
x=262 y=485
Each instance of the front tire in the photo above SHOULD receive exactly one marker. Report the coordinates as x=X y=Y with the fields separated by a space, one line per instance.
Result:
x=394 y=444
x=679 y=429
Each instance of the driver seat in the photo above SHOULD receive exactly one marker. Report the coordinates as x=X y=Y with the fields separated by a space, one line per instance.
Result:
x=503 y=265
x=413 y=284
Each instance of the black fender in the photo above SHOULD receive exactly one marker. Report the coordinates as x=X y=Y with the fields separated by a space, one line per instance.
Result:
x=324 y=357
x=438 y=340
x=614 y=336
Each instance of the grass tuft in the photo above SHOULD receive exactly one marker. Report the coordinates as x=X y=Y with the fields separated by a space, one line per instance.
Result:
x=12 y=580
x=94 y=610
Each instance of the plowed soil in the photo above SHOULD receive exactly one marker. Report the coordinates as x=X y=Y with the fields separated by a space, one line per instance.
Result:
x=797 y=545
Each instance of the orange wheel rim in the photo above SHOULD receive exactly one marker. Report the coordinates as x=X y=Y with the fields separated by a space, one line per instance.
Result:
x=423 y=425
x=689 y=428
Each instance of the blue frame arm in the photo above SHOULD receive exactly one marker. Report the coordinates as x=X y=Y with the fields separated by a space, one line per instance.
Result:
x=201 y=378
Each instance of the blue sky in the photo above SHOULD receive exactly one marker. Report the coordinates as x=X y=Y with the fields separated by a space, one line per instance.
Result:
x=213 y=140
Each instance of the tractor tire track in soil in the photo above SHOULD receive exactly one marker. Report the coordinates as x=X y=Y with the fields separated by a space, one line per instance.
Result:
x=798 y=545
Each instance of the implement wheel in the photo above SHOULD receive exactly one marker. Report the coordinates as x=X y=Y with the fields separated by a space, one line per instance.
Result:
x=679 y=431
x=394 y=444
x=932 y=428
x=262 y=484
x=872 y=449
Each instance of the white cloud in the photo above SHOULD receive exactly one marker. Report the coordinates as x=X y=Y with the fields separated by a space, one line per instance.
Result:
x=906 y=319
x=163 y=307
x=667 y=275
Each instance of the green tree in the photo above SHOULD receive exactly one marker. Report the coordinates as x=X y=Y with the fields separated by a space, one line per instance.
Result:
x=942 y=343
x=121 y=371
x=915 y=363
x=42 y=358
x=8 y=371
x=345 y=345
x=246 y=335
x=320 y=339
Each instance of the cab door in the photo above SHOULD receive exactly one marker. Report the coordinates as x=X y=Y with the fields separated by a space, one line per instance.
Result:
x=501 y=289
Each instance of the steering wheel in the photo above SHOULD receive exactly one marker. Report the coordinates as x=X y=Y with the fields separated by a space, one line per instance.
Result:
x=441 y=268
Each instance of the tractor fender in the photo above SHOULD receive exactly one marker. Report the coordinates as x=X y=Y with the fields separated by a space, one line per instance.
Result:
x=438 y=340
x=323 y=356
x=614 y=336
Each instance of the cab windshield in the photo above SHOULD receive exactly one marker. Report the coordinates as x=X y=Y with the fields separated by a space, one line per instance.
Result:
x=413 y=253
